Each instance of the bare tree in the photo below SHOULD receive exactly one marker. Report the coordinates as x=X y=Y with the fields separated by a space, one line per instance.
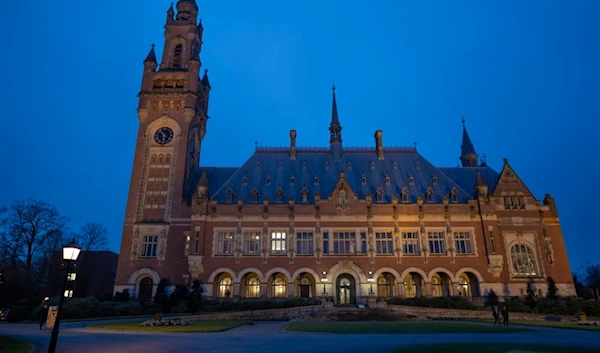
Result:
x=33 y=230
x=92 y=236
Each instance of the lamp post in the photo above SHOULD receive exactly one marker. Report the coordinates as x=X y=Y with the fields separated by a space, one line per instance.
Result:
x=324 y=280
x=70 y=254
x=371 y=280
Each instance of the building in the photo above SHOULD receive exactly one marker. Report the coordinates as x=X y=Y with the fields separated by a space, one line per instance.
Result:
x=346 y=223
x=92 y=276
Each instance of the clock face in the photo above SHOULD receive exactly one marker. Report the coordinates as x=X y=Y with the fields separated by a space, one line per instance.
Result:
x=163 y=135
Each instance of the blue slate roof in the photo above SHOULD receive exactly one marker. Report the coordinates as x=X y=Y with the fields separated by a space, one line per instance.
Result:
x=465 y=177
x=399 y=165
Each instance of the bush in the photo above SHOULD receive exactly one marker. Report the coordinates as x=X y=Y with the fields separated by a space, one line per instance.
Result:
x=492 y=298
x=588 y=293
x=439 y=302
x=128 y=309
x=19 y=313
x=552 y=289
x=150 y=308
x=123 y=296
x=161 y=298
x=179 y=309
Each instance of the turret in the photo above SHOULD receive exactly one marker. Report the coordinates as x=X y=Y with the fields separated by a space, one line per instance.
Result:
x=468 y=157
x=335 y=130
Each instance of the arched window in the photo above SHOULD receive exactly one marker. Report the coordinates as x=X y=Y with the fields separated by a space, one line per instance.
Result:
x=168 y=159
x=180 y=82
x=410 y=287
x=411 y=180
x=464 y=287
x=268 y=180
x=304 y=195
x=523 y=260
x=434 y=180
x=229 y=195
x=225 y=287
x=363 y=181
x=158 y=83
x=316 y=181
x=145 y=290
x=305 y=287
x=252 y=287
x=436 y=286
x=160 y=159
x=279 y=196
x=384 y=286
x=454 y=195
x=429 y=195
x=279 y=287
x=254 y=196
x=292 y=181
x=170 y=83
x=387 y=180
x=153 y=159
x=177 y=55
x=404 y=195
x=379 y=195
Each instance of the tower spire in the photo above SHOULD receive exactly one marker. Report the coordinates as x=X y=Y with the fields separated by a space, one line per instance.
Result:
x=468 y=157
x=151 y=57
x=335 y=129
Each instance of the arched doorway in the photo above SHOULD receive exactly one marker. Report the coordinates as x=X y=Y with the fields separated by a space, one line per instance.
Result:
x=385 y=285
x=224 y=286
x=305 y=285
x=346 y=290
x=440 y=285
x=146 y=286
x=468 y=285
x=414 y=285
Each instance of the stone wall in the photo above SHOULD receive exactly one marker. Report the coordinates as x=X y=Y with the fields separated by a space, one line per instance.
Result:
x=269 y=314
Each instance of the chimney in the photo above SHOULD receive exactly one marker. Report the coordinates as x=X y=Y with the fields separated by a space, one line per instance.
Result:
x=292 y=144
x=379 y=143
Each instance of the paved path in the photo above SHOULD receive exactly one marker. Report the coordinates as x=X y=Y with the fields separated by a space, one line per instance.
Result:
x=267 y=337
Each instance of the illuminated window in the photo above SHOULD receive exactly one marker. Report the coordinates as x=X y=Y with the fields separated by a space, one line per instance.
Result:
x=410 y=286
x=279 y=287
x=436 y=286
x=225 y=287
x=278 y=242
x=384 y=286
x=523 y=260
x=464 y=287
x=69 y=293
x=71 y=276
x=252 y=287
x=225 y=243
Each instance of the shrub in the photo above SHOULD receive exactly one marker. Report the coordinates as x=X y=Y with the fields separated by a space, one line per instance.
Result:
x=530 y=297
x=492 y=298
x=161 y=298
x=440 y=302
x=552 y=289
x=588 y=293
x=19 y=313
x=150 y=307
x=123 y=296
x=179 y=309
x=128 y=309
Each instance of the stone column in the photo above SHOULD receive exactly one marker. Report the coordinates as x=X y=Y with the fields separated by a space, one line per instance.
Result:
x=401 y=289
x=428 y=290
x=263 y=291
x=291 y=292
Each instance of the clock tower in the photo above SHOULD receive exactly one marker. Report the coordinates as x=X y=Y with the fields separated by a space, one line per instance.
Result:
x=172 y=112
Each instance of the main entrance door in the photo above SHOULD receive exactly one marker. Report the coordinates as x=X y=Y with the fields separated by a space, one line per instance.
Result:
x=146 y=289
x=346 y=291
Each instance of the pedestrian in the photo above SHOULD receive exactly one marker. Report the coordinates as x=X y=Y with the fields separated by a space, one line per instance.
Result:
x=496 y=314
x=505 y=315
x=43 y=313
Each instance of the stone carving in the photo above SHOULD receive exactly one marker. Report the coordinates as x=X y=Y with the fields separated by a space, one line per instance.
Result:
x=342 y=199
x=549 y=250
x=195 y=265
x=134 y=246
x=265 y=243
x=495 y=265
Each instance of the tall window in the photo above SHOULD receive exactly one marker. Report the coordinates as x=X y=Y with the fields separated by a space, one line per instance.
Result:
x=410 y=243
x=463 y=242
x=384 y=242
x=229 y=195
x=304 y=243
x=149 y=245
x=384 y=286
x=454 y=195
x=251 y=243
x=225 y=243
x=437 y=243
x=304 y=195
x=379 y=195
x=429 y=195
x=279 y=196
x=326 y=243
x=342 y=242
x=523 y=260
x=464 y=289
x=279 y=287
x=278 y=240
x=404 y=195
x=252 y=287
x=225 y=287
x=254 y=196
x=436 y=286
x=514 y=202
x=177 y=53
x=362 y=248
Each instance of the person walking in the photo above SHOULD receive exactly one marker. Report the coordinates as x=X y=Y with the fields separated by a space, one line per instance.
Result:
x=505 y=315
x=496 y=314
x=43 y=313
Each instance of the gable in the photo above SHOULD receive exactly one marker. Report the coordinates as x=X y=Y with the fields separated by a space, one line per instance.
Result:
x=510 y=181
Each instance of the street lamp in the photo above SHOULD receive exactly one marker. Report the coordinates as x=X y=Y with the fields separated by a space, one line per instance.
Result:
x=371 y=280
x=70 y=254
x=324 y=280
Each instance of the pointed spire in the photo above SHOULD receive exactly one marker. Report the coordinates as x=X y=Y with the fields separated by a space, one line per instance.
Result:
x=151 y=58
x=203 y=179
x=481 y=187
x=479 y=181
x=205 y=80
x=335 y=130
x=468 y=156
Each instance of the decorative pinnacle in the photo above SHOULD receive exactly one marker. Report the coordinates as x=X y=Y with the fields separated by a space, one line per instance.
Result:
x=333 y=87
x=462 y=120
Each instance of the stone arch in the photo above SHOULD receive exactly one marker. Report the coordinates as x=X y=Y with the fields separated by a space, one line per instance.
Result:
x=413 y=269
x=164 y=120
x=283 y=271
x=472 y=270
x=140 y=273
x=254 y=270
x=218 y=271
x=443 y=270
x=349 y=267
x=302 y=270
x=390 y=270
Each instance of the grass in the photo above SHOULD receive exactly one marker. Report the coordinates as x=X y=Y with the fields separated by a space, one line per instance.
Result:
x=398 y=327
x=493 y=348
x=196 y=326
x=556 y=324
x=11 y=345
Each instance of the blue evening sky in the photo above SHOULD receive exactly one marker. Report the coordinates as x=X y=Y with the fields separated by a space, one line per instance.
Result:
x=524 y=74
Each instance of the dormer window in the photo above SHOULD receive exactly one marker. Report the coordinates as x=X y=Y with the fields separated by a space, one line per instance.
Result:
x=304 y=195
x=303 y=165
x=363 y=181
x=244 y=181
x=404 y=195
x=229 y=195
x=254 y=196
x=429 y=195
x=379 y=195
x=349 y=165
x=418 y=165
x=258 y=165
x=453 y=195
x=292 y=181
x=279 y=196
x=387 y=180
x=326 y=165
x=280 y=165
x=395 y=165
x=316 y=180
x=268 y=180
x=372 y=165
x=434 y=180
x=411 y=180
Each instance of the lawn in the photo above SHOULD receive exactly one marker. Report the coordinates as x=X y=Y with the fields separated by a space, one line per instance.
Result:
x=492 y=348
x=555 y=324
x=399 y=327
x=11 y=345
x=196 y=326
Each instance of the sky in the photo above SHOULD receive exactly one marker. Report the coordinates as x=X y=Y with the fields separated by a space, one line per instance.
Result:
x=524 y=74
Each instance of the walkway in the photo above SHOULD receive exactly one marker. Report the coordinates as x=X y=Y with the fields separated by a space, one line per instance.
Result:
x=268 y=337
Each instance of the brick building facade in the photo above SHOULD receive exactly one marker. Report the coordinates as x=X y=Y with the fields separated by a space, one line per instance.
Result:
x=347 y=223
